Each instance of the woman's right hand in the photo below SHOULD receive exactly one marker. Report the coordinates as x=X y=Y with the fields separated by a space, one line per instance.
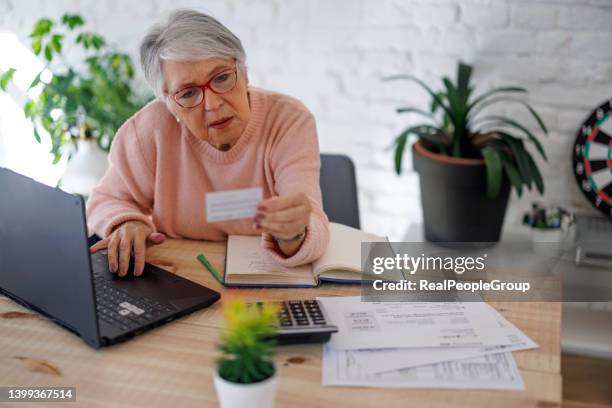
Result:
x=129 y=238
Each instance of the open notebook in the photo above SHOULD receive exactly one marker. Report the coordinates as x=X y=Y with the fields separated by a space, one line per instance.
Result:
x=248 y=265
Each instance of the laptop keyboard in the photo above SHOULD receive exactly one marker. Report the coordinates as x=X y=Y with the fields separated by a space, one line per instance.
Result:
x=122 y=310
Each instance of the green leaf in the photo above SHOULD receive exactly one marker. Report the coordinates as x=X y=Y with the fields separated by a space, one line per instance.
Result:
x=6 y=78
x=434 y=104
x=494 y=171
x=129 y=70
x=36 y=81
x=537 y=177
x=72 y=20
x=427 y=89
x=519 y=157
x=48 y=53
x=452 y=96
x=517 y=125
x=426 y=132
x=97 y=41
x=495 y=91
x=536 y=116
x=37 y=135
x=511 y=100
x=115 y=61
x=464 y=72
x=414 y=110
x=399 y=151
x=56 y=42
x=512 y=172
x=42 y=27
x=29 y=108
x=36 y=46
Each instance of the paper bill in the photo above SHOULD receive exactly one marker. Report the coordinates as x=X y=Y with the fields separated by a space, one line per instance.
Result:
x=232 y=204
x=366 y=325
x=384 y=360
x=493 y=371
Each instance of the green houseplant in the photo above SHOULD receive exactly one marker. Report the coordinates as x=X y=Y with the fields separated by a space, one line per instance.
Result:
x=90 y=98
x=246 y=375
x=468 y=159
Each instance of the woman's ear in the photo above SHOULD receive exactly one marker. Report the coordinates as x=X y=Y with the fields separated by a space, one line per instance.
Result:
x=243 y=70
x=170 y=107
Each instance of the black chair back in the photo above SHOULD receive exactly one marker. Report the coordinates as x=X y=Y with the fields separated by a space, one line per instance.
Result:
x=339 y=189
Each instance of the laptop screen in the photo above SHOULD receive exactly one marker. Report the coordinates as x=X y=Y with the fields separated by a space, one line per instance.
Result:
x=44 y=257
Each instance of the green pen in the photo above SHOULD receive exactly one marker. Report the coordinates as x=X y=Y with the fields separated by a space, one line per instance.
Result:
x=210 y=268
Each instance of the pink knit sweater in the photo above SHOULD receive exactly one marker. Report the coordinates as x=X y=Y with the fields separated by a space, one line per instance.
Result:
x=160 y=172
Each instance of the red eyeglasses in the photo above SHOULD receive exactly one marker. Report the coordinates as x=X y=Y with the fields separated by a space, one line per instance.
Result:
x=192 y=96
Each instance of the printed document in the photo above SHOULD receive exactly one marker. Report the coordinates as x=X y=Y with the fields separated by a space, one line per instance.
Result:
x=381 y=360
x=493 y=371
x=368 y=325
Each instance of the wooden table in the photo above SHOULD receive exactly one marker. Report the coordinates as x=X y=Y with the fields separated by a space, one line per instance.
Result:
x=172 y=366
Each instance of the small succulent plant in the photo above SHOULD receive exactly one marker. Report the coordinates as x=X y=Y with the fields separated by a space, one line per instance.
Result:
x=247 y=343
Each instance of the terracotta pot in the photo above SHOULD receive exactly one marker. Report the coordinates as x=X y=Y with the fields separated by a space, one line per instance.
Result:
x=456 y=207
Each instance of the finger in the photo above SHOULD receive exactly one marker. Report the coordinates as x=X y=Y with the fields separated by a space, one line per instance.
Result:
x=98 y=246
x=257 y=228
x=264 y=205
x=156 y=238
x=284 y=230
x=279 y=203
x=288 y=215
x=139 y=253
x=125 y=250
x=113 y=249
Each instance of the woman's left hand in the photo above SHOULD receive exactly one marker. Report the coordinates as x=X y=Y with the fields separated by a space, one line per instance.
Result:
x=283 y=217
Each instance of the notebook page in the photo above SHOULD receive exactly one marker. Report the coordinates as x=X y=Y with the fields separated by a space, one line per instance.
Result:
x=247 y=262
x=343 y=251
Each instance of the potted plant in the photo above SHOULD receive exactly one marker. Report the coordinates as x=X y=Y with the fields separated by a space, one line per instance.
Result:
x=85 y=101
x=467 y=159
x=246 y=375
x=551 y=228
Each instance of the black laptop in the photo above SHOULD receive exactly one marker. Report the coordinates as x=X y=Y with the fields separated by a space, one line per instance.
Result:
x=45 y=265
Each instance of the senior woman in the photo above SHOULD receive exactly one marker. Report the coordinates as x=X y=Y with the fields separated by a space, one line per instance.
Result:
x=208 y=131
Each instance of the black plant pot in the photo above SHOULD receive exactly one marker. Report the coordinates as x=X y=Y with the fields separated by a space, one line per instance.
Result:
x=456 y=207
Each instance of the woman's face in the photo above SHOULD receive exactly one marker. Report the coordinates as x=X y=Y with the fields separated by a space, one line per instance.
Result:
x=221 y=117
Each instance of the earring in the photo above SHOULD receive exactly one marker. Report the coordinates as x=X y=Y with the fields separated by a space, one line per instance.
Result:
x=177 y=119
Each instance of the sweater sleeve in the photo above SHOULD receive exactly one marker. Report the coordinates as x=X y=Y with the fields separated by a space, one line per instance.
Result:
x=296 y=165
x=125 y=193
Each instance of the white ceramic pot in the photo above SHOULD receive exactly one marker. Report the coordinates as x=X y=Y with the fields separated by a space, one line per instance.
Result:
x=85 y=168
x=257 y=395
x=551 y=242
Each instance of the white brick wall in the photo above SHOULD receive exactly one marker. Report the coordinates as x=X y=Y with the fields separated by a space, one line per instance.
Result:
x=331 y=54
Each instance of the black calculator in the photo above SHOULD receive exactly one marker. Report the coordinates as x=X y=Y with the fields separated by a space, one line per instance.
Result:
x=303 y=321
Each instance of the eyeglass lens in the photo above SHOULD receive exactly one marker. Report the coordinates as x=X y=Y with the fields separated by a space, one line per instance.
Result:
x=193 y=96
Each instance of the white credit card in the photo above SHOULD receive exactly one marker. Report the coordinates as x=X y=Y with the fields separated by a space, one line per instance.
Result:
x=232 y=204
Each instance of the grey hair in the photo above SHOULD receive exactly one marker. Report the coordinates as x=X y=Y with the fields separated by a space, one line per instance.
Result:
x=187 y=35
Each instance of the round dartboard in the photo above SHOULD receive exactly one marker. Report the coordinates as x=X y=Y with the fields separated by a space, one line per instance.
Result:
x=592 y=157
